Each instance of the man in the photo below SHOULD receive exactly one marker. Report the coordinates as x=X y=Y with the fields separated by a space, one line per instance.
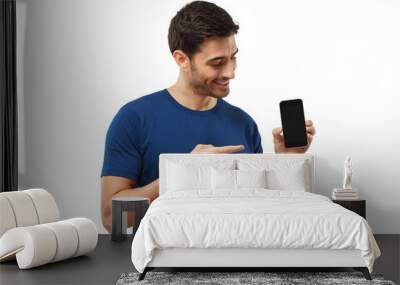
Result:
x=189 y=116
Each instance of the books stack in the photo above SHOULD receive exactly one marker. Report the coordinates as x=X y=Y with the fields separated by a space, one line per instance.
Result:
x=344 y=194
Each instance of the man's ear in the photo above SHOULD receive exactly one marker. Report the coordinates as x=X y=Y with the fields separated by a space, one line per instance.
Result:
x=181 y=59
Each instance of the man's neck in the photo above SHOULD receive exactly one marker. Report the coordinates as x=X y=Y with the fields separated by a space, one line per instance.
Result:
x=185 y=96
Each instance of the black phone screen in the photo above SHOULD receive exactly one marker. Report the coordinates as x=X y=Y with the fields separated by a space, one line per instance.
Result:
x=293 y=123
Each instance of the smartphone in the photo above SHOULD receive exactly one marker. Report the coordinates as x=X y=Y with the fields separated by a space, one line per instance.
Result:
x=293 y=123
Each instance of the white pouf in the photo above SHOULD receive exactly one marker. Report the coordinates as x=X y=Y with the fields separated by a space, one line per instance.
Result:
x=31 y=231
x=40 y=244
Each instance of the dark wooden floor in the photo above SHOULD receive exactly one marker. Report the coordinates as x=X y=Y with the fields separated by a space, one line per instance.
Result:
x=389 y=262
x=110 y=260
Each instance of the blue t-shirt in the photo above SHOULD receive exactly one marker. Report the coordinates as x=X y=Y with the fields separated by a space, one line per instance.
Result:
x=157 y=123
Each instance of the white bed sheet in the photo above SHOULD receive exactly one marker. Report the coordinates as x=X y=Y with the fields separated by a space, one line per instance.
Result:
x=250 y=218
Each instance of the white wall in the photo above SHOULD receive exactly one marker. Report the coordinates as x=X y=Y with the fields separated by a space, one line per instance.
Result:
x=80 y=60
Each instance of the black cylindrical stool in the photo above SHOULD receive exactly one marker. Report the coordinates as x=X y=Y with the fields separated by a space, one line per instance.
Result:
x=120 y=207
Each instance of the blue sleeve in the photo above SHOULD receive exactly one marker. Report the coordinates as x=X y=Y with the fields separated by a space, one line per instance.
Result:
x=122 y=154
x=257 y=140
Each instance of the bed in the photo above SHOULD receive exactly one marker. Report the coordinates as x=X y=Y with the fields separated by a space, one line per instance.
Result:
x=248 y=210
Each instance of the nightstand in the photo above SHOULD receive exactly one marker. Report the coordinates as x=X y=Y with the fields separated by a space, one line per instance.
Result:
x=120 y=207
x=357 y=206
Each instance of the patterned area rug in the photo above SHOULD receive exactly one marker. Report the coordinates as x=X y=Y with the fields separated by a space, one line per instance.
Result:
x=229 y=278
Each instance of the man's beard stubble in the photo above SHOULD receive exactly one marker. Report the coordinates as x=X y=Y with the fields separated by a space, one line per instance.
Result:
x=200 y=87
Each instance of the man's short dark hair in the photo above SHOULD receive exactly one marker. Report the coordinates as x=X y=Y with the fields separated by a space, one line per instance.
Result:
x=196 y=22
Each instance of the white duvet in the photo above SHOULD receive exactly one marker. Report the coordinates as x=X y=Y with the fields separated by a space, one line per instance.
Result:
x=251 y=218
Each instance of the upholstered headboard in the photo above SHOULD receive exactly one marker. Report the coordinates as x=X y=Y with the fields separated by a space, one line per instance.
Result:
x=280 y=163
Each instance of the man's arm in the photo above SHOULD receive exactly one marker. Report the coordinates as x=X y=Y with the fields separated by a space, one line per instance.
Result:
x=115 y=186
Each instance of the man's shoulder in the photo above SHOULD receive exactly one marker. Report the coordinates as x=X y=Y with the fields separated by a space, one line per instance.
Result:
x=238 y=112
x=134 y=111
x=144 y=102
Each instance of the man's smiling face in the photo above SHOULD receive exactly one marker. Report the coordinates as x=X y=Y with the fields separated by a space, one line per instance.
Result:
x=213 y=66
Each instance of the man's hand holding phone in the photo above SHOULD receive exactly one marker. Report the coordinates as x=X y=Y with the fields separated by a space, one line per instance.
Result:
x=296 y=134
x=279 y=141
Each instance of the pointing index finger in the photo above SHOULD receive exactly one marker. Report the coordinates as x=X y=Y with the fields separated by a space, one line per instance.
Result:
x=228 y=149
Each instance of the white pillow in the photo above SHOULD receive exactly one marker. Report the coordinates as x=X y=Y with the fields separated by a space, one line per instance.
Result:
x=223 y=179
x=229 y=180
x=183 y=176
x=251 y=178
x=282 y=174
